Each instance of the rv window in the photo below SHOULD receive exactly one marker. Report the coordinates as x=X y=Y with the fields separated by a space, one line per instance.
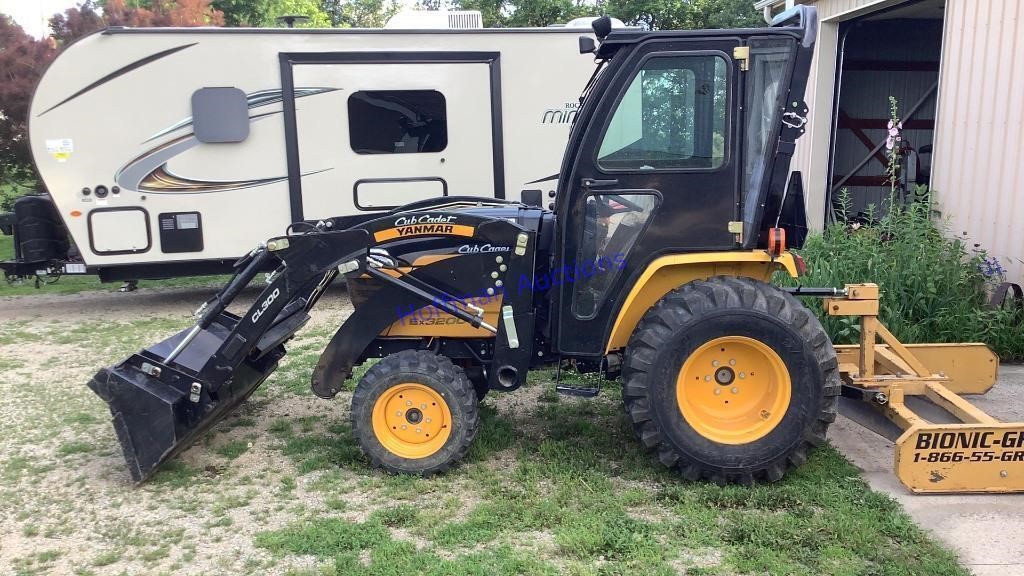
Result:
x=672 y=116
x=397 y=121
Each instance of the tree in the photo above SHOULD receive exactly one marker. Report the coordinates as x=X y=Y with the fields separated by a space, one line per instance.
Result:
x=649 y=14
x=86 y=18
x=360 y=13
x=143 y=13
x=22 y=61
x=263 y=13
x=685 y=14
x=312 y=9
x=521 y=13
x=75 y=23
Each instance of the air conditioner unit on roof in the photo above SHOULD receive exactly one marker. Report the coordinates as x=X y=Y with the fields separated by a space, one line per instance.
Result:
x=436 y=19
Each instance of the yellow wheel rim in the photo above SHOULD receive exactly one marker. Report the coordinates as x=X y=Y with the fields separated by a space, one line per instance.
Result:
x=411 y=420
x=733 y=390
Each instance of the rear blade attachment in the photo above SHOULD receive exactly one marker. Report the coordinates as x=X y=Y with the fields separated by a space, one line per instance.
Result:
x=167 y=395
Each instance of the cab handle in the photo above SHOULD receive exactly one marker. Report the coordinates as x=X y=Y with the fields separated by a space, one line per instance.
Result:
x=592 y=183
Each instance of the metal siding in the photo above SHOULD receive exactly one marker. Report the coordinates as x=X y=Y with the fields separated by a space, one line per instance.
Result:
x=978 y=151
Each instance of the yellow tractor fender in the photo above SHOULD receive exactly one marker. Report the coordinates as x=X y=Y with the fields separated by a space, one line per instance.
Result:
x=669 y=272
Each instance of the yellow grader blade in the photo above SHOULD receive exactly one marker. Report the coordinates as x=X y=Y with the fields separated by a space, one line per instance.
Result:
x=980 y=454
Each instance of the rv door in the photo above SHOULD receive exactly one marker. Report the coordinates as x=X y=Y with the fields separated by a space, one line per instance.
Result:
x=393 y=131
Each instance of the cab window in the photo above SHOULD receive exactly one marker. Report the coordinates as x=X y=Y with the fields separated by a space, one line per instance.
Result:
x=672 y=116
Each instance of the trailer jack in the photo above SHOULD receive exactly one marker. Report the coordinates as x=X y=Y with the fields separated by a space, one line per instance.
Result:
x=978 y=454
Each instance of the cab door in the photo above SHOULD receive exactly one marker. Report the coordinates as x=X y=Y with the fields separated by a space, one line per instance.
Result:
x=656 y=171
x=391 y=132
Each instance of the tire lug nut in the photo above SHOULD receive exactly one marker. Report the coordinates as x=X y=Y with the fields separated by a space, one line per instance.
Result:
x=428 y=420
x=732 y=362
x=408 y=402
x=404 y=426
x=423 y=406
x=743 y=375
x=735 y=390
x=419 y=430
x=399 y=413
x=714 y=363
x=707 y=378
x=718 y=391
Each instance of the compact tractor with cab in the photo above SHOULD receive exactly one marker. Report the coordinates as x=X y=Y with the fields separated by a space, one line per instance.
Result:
x=651 y=263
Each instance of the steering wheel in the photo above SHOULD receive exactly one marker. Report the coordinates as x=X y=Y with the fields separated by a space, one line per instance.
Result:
x=629 y=206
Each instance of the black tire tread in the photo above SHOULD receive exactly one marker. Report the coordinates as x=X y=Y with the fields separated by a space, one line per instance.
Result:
x=687 y=303
x=417 y=362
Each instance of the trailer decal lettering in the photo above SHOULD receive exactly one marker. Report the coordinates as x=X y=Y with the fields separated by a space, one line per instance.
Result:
x=60 y=148
x=400 y=231
x=950 y=440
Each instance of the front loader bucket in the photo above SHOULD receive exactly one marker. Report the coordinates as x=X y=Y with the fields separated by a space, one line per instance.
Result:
x=164 y=397
x=160 y=407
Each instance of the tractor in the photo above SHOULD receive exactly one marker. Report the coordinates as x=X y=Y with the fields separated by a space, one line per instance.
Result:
x=651 y=262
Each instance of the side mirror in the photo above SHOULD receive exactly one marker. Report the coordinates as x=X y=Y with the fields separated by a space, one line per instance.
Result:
x=587 y=45
x=602 y=27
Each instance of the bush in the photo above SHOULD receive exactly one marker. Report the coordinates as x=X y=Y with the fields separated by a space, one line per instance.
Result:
x=934 y=287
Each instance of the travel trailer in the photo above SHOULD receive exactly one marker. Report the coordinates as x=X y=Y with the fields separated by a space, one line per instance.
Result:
x=171 y=151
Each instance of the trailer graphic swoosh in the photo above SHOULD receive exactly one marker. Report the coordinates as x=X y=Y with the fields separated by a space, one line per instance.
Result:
x=148 y=172
x=118 y=73
x=253 y=100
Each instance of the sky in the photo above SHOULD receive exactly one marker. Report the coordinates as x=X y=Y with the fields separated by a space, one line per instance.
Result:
x=33 y=15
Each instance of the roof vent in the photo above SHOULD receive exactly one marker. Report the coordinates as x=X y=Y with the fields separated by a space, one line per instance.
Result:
x=436 y=19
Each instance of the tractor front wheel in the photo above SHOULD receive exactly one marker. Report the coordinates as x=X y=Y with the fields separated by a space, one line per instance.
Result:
x=414 y=412
x=730 y=380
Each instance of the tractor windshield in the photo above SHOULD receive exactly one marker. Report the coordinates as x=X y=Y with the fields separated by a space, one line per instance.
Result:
x=767 y=84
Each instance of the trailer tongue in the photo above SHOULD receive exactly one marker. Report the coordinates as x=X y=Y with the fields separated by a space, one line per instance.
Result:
x=166 y=395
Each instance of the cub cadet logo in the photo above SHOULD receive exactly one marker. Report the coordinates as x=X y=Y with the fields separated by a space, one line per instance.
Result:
x=423 y=225
x=481 y=249
x=266 y=304
x=424 y=219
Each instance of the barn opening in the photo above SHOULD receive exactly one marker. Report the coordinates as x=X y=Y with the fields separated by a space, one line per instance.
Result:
x=893 y=52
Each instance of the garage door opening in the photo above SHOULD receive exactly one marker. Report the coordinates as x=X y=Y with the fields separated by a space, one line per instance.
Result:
x=895 y=53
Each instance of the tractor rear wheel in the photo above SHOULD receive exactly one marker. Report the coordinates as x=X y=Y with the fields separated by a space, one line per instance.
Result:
x=730 y=380
x=414 y=412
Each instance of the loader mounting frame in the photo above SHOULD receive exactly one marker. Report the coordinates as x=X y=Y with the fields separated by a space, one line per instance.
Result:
x=978 y=454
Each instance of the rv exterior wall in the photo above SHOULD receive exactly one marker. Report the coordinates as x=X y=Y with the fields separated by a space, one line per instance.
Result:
x=126 y=120
x=978 y=154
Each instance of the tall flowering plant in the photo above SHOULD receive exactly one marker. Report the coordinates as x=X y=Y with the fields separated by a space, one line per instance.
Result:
x=893 y=144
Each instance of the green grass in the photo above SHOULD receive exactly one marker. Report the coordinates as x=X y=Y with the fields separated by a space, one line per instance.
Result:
x=323 y=537
x=233 y=449
x=552 y=485
x=77 y=447
x=934 y=285
x=579 y=496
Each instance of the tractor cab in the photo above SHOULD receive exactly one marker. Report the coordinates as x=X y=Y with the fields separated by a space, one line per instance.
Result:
x=682 y=145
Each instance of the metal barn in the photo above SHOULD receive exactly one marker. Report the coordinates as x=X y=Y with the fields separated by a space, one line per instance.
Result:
x=956 y=68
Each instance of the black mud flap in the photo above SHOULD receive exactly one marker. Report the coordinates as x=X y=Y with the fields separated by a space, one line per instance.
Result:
x=158 y=410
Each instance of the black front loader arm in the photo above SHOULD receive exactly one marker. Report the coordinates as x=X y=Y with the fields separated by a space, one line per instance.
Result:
x=432 y=285
x=165 y=396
